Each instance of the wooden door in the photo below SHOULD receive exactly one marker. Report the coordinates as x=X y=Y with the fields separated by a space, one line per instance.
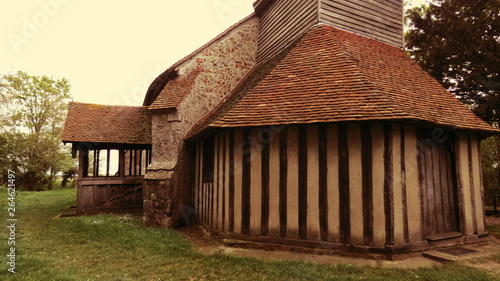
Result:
x=438 y=181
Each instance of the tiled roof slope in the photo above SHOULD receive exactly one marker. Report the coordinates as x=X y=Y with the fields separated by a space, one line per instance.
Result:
x=174 y=91
x=107 y=124
x=332 y=75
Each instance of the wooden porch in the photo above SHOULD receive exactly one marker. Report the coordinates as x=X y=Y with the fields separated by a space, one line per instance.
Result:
x=111 y=184
x=113 y=146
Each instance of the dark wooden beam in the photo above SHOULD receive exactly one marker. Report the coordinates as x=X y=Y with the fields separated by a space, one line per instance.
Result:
x=389 y=184
x=246 y=181
x=265 y=174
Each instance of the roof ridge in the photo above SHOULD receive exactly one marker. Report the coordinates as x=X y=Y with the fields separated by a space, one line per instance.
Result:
x=106 y=105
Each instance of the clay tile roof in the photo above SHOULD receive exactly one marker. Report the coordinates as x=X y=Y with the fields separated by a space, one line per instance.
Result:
x=175 y=90
x=331 y=75
x=107 y=124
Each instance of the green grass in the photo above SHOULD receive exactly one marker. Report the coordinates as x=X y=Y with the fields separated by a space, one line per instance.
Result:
x=113 y=247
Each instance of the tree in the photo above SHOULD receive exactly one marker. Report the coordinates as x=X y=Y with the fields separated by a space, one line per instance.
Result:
x=457 y=42
x=33 y=122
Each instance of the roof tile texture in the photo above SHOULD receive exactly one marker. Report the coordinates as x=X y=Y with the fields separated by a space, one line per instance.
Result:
x=107 y=124
x=333 y=75
x=175 y=90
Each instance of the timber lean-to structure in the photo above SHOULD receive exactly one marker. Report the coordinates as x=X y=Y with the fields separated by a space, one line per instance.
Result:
x=98 y=134
x=304 y=126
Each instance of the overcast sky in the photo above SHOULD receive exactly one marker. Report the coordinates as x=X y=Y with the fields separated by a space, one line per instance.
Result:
x=109 y=50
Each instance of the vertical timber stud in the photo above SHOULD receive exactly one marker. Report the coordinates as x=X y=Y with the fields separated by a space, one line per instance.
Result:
x=471 y=180
x=388 y=185
x=201 y=200
x=421 y=182
x=224 y=190
x=344 y=204
x=231 y=180
x=283 y=182
x=367 y=182
x=460 y=183
x=323 y=181
x=238 y=178
x=404 y=186
x=246 y=184
x=481 y=181
x=265 y=139
x=302 y=182
x=215 y=184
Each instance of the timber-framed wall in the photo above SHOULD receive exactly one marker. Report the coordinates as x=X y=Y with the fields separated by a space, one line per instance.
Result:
x=373 y=188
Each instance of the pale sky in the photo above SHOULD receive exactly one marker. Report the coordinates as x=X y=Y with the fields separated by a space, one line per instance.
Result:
x=109 y=50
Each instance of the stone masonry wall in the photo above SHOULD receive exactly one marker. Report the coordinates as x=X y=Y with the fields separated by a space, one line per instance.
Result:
x=167 y=189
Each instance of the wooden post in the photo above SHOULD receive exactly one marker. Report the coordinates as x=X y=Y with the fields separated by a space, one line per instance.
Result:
x=74 y=150
x=121 y=163
x=83 y=163
x=130 y=162
x=140 y=161
x=107 y=162
x=97 y=153
x=135 y=162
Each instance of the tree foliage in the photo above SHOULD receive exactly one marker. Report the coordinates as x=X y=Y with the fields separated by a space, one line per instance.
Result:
x=490 y=156
x=33 y=117
x=457 y=42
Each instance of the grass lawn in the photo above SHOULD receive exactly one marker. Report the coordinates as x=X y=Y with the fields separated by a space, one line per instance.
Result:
x=112 y=247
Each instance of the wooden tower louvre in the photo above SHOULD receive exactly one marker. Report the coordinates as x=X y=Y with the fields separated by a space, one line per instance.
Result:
x=306 y=126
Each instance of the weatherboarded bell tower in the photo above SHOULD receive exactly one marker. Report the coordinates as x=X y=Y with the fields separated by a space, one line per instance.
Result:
x=282 y=22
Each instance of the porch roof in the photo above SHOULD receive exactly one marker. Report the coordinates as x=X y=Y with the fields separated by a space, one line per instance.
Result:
x=97 y=123
x=331 y=75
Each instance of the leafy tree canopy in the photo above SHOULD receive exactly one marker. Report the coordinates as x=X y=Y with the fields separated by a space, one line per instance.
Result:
x=33 y=112
x=457 y=42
